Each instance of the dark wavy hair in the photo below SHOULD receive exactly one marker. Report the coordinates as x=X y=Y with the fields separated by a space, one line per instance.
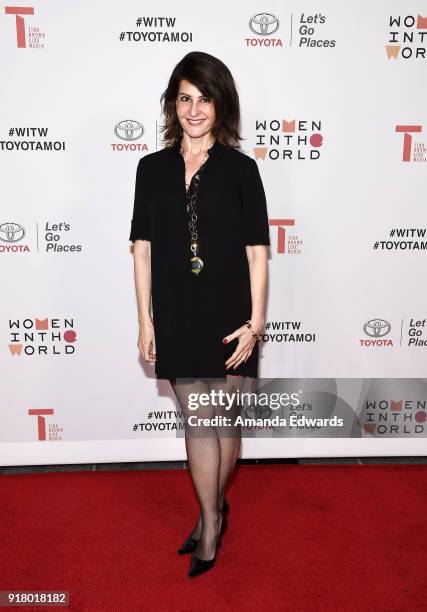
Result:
x=212 y=77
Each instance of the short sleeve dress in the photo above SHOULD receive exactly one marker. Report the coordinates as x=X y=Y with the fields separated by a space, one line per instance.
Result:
x=192 y=313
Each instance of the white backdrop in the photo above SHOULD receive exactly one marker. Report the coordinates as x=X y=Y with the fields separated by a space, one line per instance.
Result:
x=326 y=114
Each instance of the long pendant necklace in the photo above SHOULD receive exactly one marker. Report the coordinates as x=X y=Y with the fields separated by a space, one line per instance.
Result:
x=196 y=262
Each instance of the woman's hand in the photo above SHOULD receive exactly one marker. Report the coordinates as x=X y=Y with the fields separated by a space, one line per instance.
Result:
x=244 y=346
x=147 y=341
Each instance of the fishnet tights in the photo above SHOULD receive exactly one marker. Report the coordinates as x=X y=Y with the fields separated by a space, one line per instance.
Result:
x=211 y=452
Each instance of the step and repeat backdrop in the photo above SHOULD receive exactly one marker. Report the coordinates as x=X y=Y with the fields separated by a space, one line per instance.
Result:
x=333 y=111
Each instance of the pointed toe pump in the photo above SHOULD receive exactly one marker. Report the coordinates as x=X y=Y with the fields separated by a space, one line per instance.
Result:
x=189 y=545
x=199 y=566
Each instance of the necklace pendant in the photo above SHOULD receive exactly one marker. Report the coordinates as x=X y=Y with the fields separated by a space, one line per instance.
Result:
x=196 y=264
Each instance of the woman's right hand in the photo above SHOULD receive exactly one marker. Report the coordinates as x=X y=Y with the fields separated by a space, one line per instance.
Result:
x=147 y=341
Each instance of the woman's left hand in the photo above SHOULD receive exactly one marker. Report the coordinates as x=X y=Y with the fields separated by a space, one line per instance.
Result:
x=244 y=346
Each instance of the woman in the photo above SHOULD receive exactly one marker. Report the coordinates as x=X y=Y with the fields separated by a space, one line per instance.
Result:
x=200 y=234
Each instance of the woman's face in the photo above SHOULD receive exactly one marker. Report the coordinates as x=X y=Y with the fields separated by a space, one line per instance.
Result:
x=196 y=112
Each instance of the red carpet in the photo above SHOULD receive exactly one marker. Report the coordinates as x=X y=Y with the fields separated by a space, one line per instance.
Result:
x=300 y=538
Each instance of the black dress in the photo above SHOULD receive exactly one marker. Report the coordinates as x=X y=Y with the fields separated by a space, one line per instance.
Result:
x=192 y=313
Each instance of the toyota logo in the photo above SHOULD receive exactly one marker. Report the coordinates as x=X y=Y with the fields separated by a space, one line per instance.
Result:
x=11 y=232
x=264 y=24
x=376 y=328
x=129 y=129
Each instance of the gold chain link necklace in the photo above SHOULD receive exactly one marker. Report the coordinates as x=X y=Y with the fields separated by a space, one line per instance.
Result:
x=196 y=262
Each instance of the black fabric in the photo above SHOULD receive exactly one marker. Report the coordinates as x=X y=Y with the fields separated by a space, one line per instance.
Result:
x=192 y=313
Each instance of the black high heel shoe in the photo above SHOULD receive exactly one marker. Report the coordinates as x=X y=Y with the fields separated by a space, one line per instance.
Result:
x=190 y=543
x=198 y=566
